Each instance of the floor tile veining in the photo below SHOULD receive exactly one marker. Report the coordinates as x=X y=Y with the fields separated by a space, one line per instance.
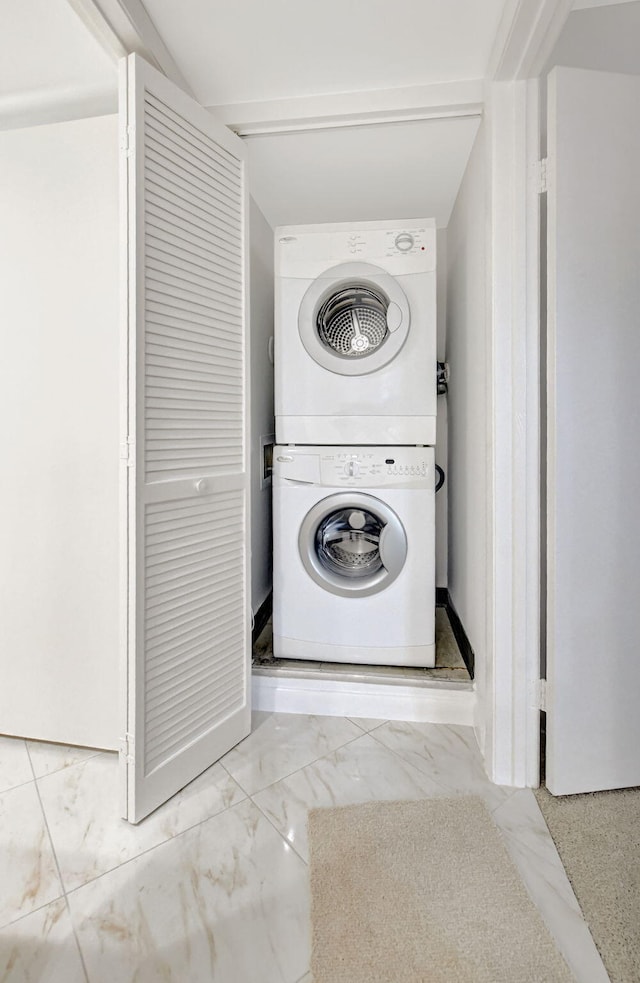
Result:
x=214 y=885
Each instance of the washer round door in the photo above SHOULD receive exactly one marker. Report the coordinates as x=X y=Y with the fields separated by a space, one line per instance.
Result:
x=354 y=319
x=352 y=544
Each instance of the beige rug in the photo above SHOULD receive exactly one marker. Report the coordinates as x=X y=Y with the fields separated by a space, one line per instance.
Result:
x=421 y=892
x=598 y=839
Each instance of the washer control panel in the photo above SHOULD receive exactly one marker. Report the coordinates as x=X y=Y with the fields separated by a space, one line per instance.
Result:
x=376 y=466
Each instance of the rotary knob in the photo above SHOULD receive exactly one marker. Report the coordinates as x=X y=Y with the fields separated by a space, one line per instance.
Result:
x=404 y=242
x=352 y=468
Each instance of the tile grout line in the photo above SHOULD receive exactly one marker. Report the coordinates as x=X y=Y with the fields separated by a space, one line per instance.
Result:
x=169 y=839
x=280 y=834
x=156 y=846
x=241 y=787
x=307 y=765
x=200 y=822
x=445 y=788
x=513 y=842
x=263 y=813
x=20 y=918
x=321 y=757
x=5 y=791
x=409 y=764
x=381 y=723
x=365 y=733
x=21 y=740
x=354 y=720
x=73 y=764
x=55 y=857
x=248 y=796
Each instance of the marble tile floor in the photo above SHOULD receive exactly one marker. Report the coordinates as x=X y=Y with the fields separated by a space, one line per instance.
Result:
x=449 y=668
x=214 y=885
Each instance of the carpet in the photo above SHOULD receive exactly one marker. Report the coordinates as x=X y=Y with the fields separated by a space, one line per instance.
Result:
x=598 y=838
x=421 y=892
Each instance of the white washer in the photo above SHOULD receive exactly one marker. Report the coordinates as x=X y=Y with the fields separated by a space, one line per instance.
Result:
x=354 y=577
x=355 y=333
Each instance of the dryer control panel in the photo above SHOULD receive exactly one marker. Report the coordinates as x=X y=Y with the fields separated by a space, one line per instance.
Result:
x=361 y=467
x=399 y=249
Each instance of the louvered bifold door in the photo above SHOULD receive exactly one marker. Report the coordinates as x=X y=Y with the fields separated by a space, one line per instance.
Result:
x=185 y=445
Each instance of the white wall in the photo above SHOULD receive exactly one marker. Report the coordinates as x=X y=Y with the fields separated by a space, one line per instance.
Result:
x=467 y=400
x=59 y=420
x=262 y=421
x=602 y=38
x=53 y=68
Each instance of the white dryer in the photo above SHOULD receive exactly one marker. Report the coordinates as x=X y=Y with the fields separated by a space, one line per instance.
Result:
x=354 y=577
x=355 y=333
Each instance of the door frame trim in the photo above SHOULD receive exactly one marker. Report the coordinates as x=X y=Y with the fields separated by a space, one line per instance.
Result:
x=507 y=725
x=508 y=709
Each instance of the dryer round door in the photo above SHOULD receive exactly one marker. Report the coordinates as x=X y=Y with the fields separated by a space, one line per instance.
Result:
x=354 y=319
x=352 y=544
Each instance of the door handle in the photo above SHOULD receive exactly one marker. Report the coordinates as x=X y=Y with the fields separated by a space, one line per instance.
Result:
x=394 y=316
x=393 y=548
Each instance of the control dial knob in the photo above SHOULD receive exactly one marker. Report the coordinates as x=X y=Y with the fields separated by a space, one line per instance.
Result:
x=404 y=242
x=352 y=468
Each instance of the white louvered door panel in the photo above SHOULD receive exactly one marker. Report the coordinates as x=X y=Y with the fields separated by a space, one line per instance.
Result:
x=188 y=630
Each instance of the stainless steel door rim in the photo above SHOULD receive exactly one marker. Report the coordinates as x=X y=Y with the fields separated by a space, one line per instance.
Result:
x=352 y=544
x=354 y=319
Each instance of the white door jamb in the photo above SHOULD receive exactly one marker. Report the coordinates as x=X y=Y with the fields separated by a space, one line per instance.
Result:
x=509 y=725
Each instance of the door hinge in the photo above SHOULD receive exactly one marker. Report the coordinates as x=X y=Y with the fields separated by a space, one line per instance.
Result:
x=542 y=694
x=541 y=175
x=128 y=452
x=126 y=141
x=127 y=746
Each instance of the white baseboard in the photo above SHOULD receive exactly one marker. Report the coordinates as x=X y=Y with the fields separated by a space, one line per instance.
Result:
x=439 y=704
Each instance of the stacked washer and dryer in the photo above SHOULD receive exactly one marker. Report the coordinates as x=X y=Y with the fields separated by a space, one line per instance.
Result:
x=354 y=469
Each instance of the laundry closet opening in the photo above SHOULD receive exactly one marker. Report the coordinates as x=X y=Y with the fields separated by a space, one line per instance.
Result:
x=419 y=184
x=366 y=278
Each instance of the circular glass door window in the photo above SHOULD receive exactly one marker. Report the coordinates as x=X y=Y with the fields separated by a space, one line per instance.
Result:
x=354 y=319
x=352 y=322
x=352 y=544
x=348 y=543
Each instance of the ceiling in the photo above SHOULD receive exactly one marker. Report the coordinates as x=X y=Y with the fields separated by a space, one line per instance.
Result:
x=232 y=53
x=245 y=50
x=240 y=54
x=392 y=171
